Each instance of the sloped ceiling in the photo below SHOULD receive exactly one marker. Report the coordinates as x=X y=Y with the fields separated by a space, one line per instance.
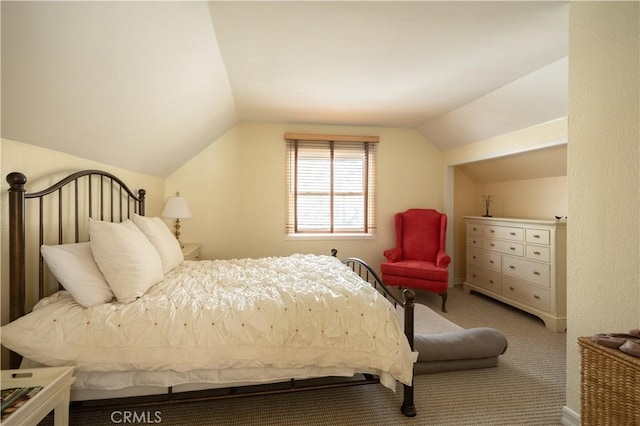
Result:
x=541 y=163
x=147 y=85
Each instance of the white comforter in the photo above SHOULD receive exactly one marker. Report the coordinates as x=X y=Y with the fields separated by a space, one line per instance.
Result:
x=259 y=315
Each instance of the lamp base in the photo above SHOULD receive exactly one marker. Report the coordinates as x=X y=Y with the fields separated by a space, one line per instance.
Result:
x=176 y=232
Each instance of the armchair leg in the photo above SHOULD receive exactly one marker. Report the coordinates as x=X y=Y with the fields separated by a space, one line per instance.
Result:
x=444 y=301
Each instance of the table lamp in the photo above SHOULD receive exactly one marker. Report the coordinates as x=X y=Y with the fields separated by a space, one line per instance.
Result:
x=177 y=208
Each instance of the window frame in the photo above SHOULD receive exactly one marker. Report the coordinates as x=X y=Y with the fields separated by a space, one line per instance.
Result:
x=366 y=148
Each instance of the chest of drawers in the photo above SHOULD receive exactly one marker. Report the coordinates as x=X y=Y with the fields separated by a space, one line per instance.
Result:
x=521 y=262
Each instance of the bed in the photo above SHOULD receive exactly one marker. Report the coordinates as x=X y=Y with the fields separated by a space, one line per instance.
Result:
x=134 y=318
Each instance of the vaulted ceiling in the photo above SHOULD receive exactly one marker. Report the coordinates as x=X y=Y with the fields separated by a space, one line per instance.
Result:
x=147 y=85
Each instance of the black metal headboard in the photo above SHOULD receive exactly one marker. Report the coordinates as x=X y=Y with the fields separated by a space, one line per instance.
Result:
x=82 y=195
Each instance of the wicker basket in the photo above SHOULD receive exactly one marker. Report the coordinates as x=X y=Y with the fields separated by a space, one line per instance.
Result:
x=610 y=385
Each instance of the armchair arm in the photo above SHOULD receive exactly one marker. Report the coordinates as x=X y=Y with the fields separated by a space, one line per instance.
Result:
x=443 y=260
x=394 y=254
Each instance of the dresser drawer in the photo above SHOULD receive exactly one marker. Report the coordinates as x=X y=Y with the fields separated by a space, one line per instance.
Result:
x=475 y=229
x=484 y=259
x=540 y=253
x=538 y=236
x=527 y=293
x=505 y=232
x=475 y=241
x=527 y=270
x=501 y=246
x=489 y=280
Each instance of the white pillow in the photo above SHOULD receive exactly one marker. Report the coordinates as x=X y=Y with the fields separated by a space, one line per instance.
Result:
x=74 y=267
x=162 y=239
x=128 y=260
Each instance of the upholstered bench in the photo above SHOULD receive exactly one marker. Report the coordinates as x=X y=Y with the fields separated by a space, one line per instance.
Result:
x=445 y=346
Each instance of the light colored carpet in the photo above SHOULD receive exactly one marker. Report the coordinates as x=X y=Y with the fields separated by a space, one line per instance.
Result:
x=527 y=388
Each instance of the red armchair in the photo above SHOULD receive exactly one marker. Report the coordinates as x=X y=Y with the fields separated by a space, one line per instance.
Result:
x=419 y=259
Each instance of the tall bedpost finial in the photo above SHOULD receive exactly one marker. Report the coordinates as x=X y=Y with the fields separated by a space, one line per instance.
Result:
x=16 y=181
x=141 y=194
x=17 y=276
x=409 y=297
x=408 y=407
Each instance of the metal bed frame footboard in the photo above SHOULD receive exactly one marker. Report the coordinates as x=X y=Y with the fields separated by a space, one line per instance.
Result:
x=365 y=272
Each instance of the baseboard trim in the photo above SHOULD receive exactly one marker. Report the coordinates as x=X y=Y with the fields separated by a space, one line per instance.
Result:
x=569 y=417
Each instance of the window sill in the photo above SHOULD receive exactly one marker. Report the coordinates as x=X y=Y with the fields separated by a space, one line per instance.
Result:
x=317 y=237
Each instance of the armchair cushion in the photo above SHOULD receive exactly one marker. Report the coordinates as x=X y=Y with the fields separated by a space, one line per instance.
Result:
x=421 y=269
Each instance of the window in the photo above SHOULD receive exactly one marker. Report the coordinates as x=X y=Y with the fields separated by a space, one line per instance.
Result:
x=331 y=184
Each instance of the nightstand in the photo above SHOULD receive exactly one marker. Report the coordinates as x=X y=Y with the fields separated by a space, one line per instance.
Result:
x=54 y=395
x=191 y=251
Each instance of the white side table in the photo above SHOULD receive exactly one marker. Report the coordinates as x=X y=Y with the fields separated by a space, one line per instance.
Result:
x=55 y=394
x=191 y=251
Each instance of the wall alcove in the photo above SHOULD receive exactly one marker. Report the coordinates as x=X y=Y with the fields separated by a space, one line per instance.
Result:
x=531 y=184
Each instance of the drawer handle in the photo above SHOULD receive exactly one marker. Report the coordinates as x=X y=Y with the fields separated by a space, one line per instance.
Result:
x=492 y=230
x=512 y=234
x=473 y=275
x=511 y=288
x=536 y=273
x=492 y=244
x=474 y=257
x=490 y=281
x=535 y=296
x=475 y=242
x=475 y=229
x=491 y=262
x=512 y=248
x=536 y=252
x=536 y=236
x=512 y=267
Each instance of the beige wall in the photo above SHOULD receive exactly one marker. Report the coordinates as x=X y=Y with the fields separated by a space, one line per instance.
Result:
x=236 y=191
x=542 y=198
x=465 y=203
x=44 y=167
x=603 y=232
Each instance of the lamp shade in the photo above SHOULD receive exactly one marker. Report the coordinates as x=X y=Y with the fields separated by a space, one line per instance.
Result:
x=176 y=208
